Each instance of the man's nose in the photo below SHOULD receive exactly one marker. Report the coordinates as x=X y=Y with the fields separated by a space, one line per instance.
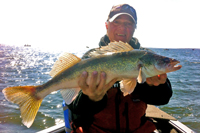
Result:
x=122 y=26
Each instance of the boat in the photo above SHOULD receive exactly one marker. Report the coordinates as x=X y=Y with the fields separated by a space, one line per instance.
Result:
x=27 y=45
x=165 y=122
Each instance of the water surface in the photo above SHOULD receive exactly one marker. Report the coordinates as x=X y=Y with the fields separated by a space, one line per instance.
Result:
x=28 y=66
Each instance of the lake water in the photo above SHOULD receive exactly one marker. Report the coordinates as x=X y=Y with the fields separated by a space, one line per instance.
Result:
x=28 y=66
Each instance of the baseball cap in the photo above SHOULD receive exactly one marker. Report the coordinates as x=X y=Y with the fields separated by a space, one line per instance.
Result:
x=122 y=9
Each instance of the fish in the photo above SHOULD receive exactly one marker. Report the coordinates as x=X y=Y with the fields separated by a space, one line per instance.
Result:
x=118 y=60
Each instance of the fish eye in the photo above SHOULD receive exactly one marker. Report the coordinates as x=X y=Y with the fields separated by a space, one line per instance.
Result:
x=167 y=60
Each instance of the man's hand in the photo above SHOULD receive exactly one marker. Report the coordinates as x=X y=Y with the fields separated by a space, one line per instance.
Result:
x=157 y=80
x=92 y=90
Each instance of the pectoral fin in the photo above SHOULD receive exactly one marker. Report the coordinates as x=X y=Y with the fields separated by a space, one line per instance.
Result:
x=141 y=76
x=69 y=94
x=128 y=86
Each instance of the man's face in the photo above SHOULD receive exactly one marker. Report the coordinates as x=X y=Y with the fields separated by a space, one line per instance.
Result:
x=121 y=29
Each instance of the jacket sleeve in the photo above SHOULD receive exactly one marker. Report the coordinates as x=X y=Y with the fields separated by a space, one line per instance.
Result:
x=155 y=95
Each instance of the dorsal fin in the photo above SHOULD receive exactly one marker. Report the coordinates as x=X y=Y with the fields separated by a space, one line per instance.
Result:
x=65 y=61
x=113 y=47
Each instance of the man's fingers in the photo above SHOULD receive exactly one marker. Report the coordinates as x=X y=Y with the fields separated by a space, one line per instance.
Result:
x=163 y=75
x=93 y=80
x=152 y=81
x=149 y=82
x=82 y=80
x=157 y=80
x=102 y=80
x=163 y=78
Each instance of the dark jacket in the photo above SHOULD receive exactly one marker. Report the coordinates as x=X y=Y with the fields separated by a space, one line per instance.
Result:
x=83 y=108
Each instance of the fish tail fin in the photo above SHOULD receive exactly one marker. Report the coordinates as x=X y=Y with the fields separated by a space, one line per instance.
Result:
x=28 y=102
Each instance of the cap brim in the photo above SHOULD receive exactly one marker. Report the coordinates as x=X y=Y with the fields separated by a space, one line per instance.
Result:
x=116 y=15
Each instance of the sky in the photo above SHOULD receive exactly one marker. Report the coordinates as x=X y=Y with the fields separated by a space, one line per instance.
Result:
x=64 y=24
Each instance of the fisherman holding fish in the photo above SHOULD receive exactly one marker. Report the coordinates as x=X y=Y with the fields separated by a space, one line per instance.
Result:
x=98 y=108
x=139 y=78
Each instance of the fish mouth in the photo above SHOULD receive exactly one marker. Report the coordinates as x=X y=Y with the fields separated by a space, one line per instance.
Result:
x=173 y=65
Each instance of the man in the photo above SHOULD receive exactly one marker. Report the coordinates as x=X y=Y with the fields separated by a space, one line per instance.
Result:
x=103 y=108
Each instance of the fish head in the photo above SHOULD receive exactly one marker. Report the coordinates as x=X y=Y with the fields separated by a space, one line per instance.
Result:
x=153 y=64
x=165 y=64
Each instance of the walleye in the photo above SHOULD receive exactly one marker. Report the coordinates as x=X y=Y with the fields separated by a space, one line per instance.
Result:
x=117 y=60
